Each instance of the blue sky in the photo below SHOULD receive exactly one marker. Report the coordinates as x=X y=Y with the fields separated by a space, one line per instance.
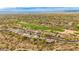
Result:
x=40 y=9
x=39 y=3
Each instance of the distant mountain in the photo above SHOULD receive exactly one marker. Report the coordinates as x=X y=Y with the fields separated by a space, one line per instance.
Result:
x=38 y=9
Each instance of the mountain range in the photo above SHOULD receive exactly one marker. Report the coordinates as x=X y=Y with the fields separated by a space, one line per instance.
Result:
x=38 y=9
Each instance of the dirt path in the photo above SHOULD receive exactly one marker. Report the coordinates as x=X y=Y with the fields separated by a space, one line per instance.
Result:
x=68 y=32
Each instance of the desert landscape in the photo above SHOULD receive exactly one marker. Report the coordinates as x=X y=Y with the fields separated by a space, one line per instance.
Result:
x=39 y=32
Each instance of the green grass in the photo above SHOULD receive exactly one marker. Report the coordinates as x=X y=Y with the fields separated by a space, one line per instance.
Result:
x=33 y=26
x=77 y=26
x=38 y=27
